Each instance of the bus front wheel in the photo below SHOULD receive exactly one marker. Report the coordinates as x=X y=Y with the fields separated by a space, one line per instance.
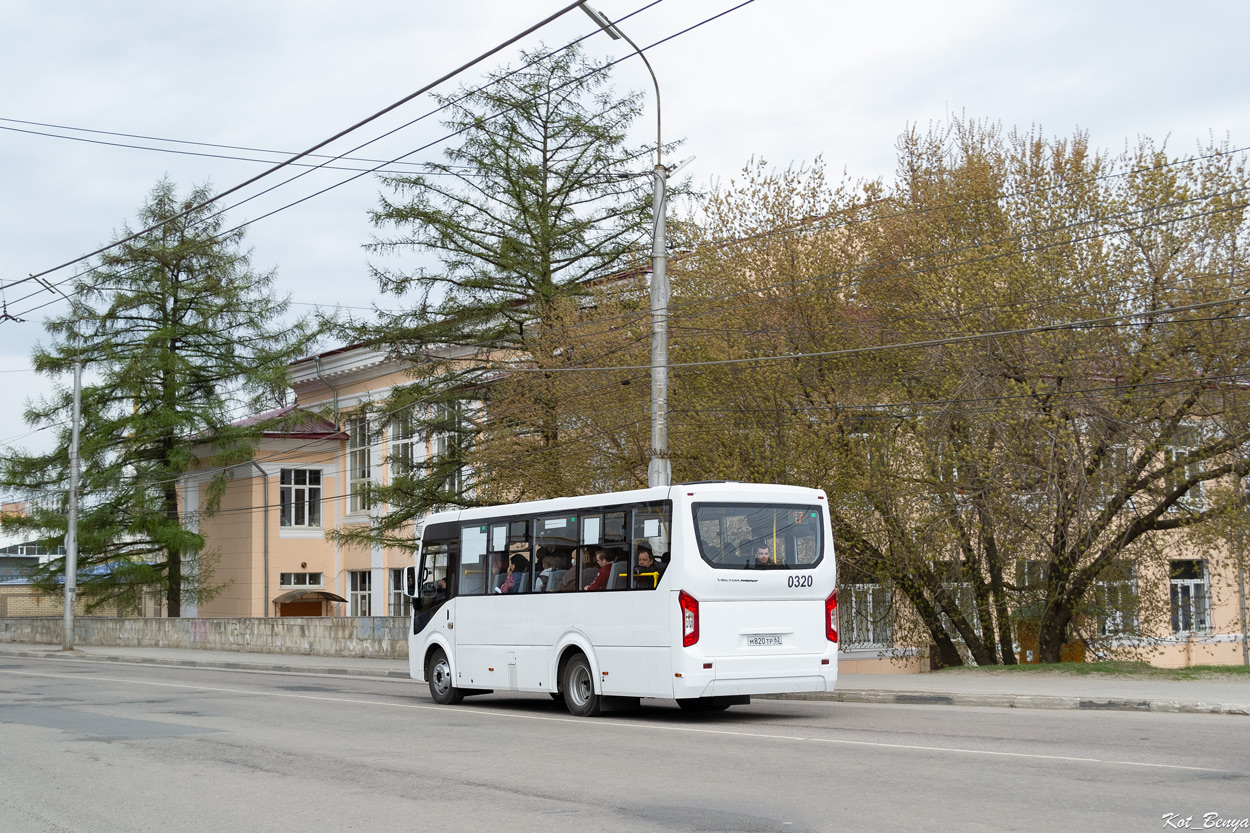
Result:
x=578 y=685
x=438 y=672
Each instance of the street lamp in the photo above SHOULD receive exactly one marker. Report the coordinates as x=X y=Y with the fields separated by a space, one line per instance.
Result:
x=71 y=520
x=659 y=470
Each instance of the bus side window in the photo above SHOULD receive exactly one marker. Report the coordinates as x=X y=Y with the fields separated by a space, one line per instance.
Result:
x=473 y=560
x=651 y=535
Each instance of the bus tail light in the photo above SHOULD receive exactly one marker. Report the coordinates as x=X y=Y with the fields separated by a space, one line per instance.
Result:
x=831 y=617
x=689 y=618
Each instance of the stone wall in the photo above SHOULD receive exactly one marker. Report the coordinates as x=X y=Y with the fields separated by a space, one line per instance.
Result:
x=384 y=637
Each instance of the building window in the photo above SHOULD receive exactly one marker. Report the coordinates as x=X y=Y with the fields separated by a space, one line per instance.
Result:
x=1180 y=457
x=301 y=580
x=361 y=583
x=405 y=452
x=401 y=605
x=864 y=615
x=1190 y=612
x=300 y=497
x=359 y=464
x=1115 y=600
x=448 y=418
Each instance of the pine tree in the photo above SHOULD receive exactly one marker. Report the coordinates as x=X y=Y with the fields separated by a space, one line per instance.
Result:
x=541 y=196
x=178 y=336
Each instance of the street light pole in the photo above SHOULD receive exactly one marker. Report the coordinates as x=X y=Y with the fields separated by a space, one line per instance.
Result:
x=71 y=525
x=659 y=470
x=71 y=512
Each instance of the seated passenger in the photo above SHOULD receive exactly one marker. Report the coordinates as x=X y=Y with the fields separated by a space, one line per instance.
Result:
x=605 y=570
x=548 y=561
x=647 y=572
x=517 y=566
x=577 y=561
x=763 y=556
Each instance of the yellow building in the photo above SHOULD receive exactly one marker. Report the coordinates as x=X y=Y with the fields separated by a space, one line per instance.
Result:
x=277 y=561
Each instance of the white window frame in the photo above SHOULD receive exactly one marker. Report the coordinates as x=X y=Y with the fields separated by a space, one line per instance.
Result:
x=456 y=482
x=401 y=605
x=1190 y=600
x=292 y=495
x=359 y=463
x=406 y=448
x=359 y=594
x=864 y=616
x=294 y=580
x=1188 y=440
x=1119 y=618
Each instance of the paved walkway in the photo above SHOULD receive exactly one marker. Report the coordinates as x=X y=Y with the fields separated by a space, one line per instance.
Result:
x=970 y=687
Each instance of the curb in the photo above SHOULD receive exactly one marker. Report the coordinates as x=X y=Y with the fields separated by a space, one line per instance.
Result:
x=1018 y=701
x=336 y=671
x=901 y=698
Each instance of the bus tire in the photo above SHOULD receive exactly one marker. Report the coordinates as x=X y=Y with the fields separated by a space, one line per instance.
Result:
x=578 y=684
x=438 y=672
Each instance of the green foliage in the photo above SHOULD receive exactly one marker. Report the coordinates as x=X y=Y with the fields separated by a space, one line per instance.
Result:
x=541 y=195
x=1034 y=476
x=177 y=335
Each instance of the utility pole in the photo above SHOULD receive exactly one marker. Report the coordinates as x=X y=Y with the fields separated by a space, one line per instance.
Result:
x=71 y=527
x=659 y=470
x=71 y=511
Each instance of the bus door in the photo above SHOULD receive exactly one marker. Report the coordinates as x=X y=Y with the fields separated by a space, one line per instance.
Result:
x=435 y=581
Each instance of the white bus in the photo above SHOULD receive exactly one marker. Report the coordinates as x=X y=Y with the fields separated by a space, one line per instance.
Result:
x=705 y=593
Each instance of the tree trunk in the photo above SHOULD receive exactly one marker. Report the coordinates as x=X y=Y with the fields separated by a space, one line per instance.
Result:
x=1053 y=631
x=173 y=558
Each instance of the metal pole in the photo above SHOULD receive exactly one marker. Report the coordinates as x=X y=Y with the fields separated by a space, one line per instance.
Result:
x=71 y=527
x=1241 y=586
x=659 y=470
x=264 y=480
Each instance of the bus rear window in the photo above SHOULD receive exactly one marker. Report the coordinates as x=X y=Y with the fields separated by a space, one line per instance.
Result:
x=753 y=536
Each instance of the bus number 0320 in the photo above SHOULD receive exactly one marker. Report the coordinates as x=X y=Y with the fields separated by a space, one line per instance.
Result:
x=799 y=581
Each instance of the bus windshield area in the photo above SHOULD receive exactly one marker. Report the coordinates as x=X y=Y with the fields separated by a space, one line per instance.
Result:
x=752 y=536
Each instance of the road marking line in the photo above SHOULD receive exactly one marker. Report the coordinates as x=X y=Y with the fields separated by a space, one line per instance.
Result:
x=488 y=712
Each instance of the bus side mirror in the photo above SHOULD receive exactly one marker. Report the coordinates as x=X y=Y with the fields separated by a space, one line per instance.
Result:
x=410 y=581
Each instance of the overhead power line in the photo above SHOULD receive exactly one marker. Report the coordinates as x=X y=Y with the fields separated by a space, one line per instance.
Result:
x=398 y=159
x=292 y=160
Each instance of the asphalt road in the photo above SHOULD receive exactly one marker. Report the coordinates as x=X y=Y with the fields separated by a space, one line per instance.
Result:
x=106 y=747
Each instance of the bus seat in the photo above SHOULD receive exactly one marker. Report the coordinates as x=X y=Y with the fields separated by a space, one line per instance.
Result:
x=588 y=575
x=472 y=582
x=619 y=580
x=553 y=582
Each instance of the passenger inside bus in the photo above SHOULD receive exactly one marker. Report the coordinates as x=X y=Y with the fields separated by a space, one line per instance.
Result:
x=570 y=582
x=647 y=573
x=605 y=570
x=518 y=572
x=547 y=560
x=763 y=556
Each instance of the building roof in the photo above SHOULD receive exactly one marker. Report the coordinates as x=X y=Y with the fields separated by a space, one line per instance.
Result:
x=295 y=423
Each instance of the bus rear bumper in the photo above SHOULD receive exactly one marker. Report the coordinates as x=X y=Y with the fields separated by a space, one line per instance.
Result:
x=758 y=675
x=767 y=685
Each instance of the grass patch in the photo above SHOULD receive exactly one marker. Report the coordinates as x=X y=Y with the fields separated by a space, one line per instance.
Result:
x=1118 y=668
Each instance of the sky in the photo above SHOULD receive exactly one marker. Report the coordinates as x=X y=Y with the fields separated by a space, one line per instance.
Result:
x=780 y=80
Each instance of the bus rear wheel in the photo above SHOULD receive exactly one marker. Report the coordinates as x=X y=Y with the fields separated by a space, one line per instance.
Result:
x=578 y=684
x=438 y=672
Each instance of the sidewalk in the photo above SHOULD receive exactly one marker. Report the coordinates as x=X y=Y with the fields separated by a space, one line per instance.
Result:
x=971 y=687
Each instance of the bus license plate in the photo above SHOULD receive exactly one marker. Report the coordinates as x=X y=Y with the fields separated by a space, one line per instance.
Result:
x=764 y=640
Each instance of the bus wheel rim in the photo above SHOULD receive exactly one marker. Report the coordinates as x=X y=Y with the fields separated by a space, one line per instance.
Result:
x=580 y=688
x=442 y=676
